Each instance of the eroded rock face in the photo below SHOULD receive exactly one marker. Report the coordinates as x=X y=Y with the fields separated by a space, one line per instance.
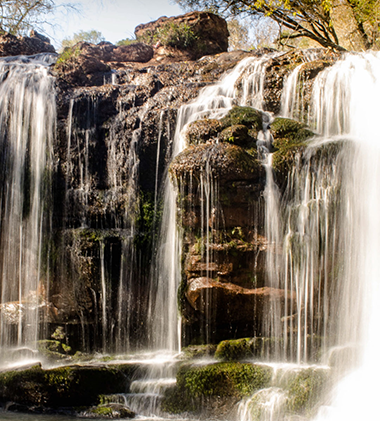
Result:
x=198 y=33
x=10 y=45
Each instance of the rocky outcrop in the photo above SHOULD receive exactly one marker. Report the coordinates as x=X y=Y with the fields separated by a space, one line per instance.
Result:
x=197 y=33
x=10 y=45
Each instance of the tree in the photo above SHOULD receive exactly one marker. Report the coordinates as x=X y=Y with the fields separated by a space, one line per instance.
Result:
x=338 y=24
x=92 y=36
x=18 y=17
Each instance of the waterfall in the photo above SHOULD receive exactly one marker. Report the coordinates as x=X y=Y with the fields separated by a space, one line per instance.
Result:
x=213 y=102
x=27 y=127
x=346 y=106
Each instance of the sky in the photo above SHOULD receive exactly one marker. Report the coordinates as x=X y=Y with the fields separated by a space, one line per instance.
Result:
x=115 y=19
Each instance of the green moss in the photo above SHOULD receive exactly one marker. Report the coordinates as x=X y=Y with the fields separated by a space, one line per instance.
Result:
x=238 y=349
x=147 y=221
x=102 y=411
x=224 y=379
x=290 y=138
x=287 y=131
x=306 y=389
x=236 y=134
x=214 y=381
x=246 y=116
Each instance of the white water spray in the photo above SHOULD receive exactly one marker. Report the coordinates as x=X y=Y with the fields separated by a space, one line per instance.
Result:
x=27 y=123
x=346 y=103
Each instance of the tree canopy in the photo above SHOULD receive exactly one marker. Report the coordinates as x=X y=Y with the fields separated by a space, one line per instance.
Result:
x=19 y=16
x=338 y=24
x=92 y=36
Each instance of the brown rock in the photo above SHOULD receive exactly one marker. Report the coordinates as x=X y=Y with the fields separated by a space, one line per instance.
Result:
x=10 y=45
x=138 y=52
x=231 y=302
x=208 y=33
x=225 y=161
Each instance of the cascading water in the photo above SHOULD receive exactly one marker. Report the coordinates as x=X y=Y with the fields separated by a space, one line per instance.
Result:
x=346 y=105
x=27 y=124
x=213 y=102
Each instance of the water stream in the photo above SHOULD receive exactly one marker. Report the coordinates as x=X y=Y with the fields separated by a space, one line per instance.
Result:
x=27 y=127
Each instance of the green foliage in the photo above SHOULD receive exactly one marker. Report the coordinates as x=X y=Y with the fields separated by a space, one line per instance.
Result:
x=20 y=16
x=176 y=35
x=126 y=41
x=313 y=19
x=67 y=54
x=147 y=220
x=93 y=36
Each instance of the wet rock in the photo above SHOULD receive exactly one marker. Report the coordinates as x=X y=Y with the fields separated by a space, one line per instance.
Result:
x=112 y=411
x=80 y=69
x=236 y=134
x=244 y=349
x=68 y=386
x=201 y=131
x=224 y=161
x=290 y=138
x=198 y=33
x=231 y=303
x=280 y=66
x=10 y=45
x=215 y=388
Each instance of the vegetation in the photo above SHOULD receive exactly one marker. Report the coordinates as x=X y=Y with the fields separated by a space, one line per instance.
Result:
x=93 y=36
x=194 y=383
x=306 y=389
x=343 y=24
x=172 y=34
x=20 y=16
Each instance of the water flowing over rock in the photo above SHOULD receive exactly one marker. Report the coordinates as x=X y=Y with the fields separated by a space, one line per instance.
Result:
x=237 y=191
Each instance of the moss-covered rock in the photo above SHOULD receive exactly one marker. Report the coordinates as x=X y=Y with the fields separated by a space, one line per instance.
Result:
x=64 y=386
x=246 y=116
x=199 y=351
x=236 y=134
x=214 y=381
x=224 y=379
x=110 y=411
x=52 y=349
x=201 y=131
x=241 y=349
x=290 y=138
x=225 y=162
x=306 y=389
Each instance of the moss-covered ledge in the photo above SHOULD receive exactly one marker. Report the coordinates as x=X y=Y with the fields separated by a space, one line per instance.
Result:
x=69 y=386
x=207 y=383
x=225 y=161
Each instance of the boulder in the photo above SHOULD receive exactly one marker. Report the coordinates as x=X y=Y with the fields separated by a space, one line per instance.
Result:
x=232 y=303
x=200 y=33
x=10 y=45
x=138 y=52
x=225 y=161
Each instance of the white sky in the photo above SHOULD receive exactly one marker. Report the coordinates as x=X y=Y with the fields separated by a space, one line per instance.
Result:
x=115 y=19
